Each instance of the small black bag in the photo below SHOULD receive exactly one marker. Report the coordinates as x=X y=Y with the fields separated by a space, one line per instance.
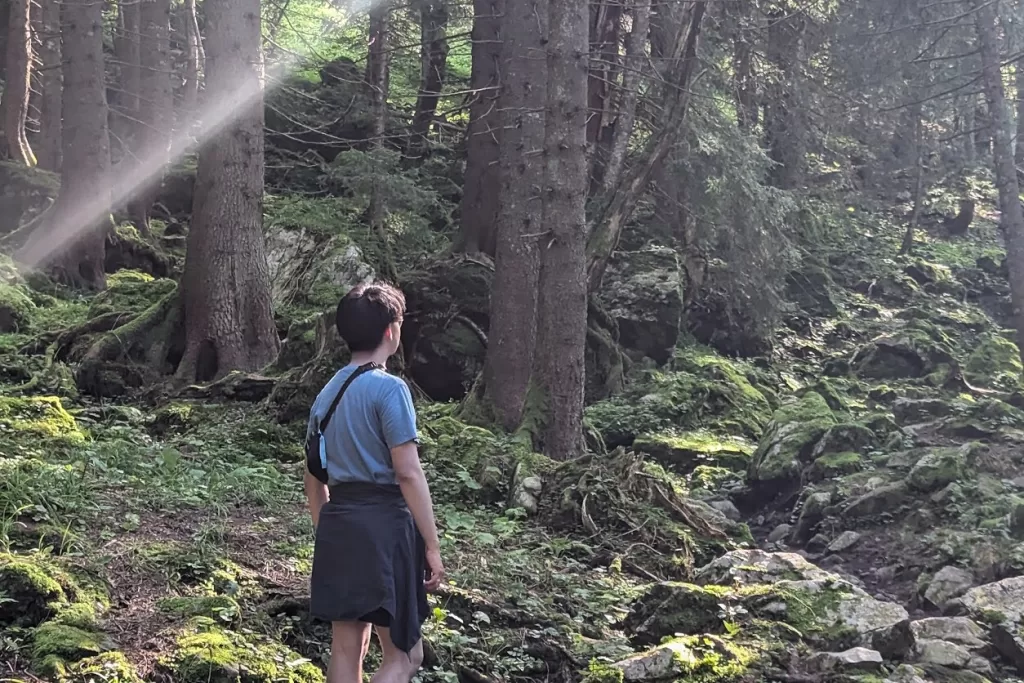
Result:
x=316 y=461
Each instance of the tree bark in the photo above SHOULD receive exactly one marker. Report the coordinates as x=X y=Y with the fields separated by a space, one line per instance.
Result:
x=605 y=26
x=1019 y=81
x=378 y=75
x=51 y=86
x=156 y=104
x=229 y=322
x=479 y=209
x=562 y=306
x=1006 y=175
x=510 y=355
x=743 y=64
x=71 y=244
x=785 y=126
x=433 y=69
x=606 y=228
x=636 y=56
x=17 y=85
x=127 y=54
x=194 y=59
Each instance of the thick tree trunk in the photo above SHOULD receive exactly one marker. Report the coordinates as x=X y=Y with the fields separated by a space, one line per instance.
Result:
x=785 y=125
x=605 y=27
x=194 y=58
x=478 y=222
x=433 y=69
x=510 y=354
x=562 y=306
x=14 y=103
x=636 y=57
x=51 y=84
x=1019 y=153
x=156 y=104
x=229 y=323
x=1006 y=175
x=378 y=76
x=127 y=54
x=606 y=228
x=743 y=64
x=71 y=244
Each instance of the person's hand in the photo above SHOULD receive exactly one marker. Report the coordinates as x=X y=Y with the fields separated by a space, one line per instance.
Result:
x=435 y=570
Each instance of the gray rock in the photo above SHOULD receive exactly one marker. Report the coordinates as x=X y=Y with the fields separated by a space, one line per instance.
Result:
x=818 y=543
x=883 y=499
x=746 y=567
x=959 y=630
x=290 y=251
x=948 y=583
x=812 y=512
x=1017 y=522
x=937 y=469
x=911 y=411
x=779 y=533
x=858 y=658
x=1001 y=602
x=942 y=653
x=844 y=542
x=727 y=508
x=1009 y=642
x=654 y=665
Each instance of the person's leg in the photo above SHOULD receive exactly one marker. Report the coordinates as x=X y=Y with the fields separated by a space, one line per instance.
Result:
x=396 y=666
x=349 y=641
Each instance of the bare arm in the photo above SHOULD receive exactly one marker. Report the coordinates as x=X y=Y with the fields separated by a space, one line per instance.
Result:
x=413 y=482
x=316 y=496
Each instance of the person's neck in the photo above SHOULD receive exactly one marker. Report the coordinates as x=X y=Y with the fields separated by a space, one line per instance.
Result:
x=378 y=356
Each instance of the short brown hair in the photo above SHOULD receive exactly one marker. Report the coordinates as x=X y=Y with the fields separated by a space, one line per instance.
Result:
x=366 y=311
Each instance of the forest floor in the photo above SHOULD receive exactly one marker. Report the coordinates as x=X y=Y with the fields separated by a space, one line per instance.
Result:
x=884 y=441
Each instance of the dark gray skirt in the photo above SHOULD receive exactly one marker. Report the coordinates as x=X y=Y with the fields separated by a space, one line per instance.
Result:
x=369 y=562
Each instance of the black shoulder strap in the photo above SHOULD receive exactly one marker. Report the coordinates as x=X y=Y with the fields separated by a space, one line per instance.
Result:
x=337 y=399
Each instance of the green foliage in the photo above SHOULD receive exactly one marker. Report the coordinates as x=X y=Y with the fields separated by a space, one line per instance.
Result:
x=219 y=607
x=109 y=667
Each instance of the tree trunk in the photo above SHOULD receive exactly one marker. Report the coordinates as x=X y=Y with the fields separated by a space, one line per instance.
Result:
x=14 y=103
x=510 y=354
x=1006 y=175
x=562 y=306
x=478 y=221
x=51 y=86
x=743 y=64
x=71 y=243
x=229 y=322
x=433 y=68
x=636 y=57
x=605 y=26
x=785 y=126
x=907 y=246
x=969 y=144
x=378 y=70
x=194 y=58
x=606 y=228
x=156 y=105
x=1019 y=153
x=127 y=54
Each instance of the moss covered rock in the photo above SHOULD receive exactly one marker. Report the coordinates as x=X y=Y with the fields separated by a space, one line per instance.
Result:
x=220 y=607
x=917 y=350
x=670 y=608
x=56 y=644
x=16 y=309
x=30 y=593
x=995 y=362
x=39 y=416
x=684 y=452
x=938 y=468
x=788 y=444
x=702 y=391
x=708 y=659
x=209 y=654
x=643 y=293
x=130 y=291
x=110 y=667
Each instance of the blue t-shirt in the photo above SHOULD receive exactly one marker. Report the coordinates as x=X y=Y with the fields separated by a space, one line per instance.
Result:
x=375 y=415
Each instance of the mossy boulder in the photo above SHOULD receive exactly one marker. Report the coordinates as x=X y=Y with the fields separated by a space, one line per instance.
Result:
x=669 y=608
x=219 y=607
x=836 y=465
x=684 y=452
x=55 y=644
x=206 y=653
x=810 y=290
x=16 y=309
x=939 y=468
x=702 y=391
x=704 y=658
x=109 y=667
x=38 y=416
x=31 y=594
x=126 y=249
x=845 y=438
x=995 y=362
x=174 y=417
x=925 y=273
x=130 y=291
x=916 y=351
x=643 y=293
x=788 y=445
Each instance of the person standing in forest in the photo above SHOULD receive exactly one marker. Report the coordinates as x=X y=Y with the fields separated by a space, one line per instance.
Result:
x=376 y=553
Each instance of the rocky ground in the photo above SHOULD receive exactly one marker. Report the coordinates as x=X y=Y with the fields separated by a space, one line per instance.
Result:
x=849 y=508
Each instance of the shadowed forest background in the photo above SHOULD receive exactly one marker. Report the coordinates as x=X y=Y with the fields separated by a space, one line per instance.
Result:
x=715 y=311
